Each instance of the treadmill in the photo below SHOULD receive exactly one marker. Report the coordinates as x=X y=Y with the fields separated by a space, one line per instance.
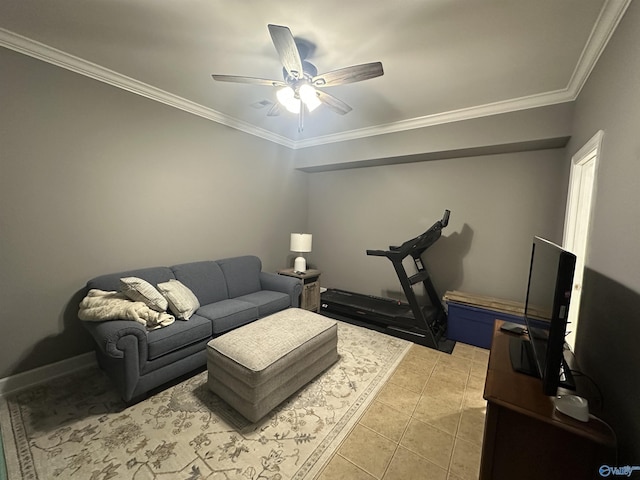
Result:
x=422 y=324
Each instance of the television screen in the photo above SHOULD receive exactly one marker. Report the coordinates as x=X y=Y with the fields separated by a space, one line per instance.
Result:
x=546 y=306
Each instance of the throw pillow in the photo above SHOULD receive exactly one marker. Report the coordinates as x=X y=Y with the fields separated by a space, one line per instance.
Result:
x=140 y=290
x=182 y=301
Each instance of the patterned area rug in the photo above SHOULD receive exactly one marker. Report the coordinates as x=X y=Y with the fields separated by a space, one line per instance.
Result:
x=77 y=428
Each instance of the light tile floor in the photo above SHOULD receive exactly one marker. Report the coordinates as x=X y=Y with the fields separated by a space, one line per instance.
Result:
x=426 y=422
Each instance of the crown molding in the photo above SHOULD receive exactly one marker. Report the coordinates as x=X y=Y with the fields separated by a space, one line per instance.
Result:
x=51 y=55
x=608 y=19
x=610 y=15
x=506 y=106
x=607 y=22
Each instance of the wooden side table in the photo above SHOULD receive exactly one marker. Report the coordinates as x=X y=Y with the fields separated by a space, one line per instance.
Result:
x=310 y=297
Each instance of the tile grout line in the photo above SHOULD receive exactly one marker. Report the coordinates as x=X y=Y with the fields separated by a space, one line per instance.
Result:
x=411 y=417
x=404 y=431
x=397 y=444
x=455 y=437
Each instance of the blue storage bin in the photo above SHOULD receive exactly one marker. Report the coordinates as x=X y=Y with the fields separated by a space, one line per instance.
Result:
x=474 y=325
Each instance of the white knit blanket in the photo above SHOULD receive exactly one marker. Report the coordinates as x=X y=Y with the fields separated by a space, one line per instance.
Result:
x=100 y=305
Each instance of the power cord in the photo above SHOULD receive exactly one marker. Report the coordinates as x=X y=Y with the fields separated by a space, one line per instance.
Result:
x=613 y=433
x=578 y=373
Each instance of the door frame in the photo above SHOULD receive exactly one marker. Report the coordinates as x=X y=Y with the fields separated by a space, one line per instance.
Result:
x=576 y=212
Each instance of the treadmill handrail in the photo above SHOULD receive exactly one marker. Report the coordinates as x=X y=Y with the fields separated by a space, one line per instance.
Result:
x=445 y=219
x=377 y=253
x=415 y=243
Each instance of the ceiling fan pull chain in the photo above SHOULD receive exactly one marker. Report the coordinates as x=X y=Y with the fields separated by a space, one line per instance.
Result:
x=301 y=117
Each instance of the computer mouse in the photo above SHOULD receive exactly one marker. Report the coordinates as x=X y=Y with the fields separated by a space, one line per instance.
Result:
x=573 y=406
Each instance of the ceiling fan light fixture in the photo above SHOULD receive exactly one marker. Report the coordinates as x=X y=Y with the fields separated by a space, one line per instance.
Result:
x=309 y=97
x=302 y=88
x=287 y=97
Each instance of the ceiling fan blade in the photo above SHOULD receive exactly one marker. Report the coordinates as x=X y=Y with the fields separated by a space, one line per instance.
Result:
x=355 y=73
x=287 y=50
x=333 y=103
x=249 y=80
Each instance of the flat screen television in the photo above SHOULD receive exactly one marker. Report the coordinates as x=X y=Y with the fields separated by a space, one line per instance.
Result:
x=541 y=352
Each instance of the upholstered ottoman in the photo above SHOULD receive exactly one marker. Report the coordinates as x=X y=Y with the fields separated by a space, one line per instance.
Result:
x=257 y=366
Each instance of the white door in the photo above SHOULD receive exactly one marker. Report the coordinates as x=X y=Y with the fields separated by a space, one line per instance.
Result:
x=577 y=218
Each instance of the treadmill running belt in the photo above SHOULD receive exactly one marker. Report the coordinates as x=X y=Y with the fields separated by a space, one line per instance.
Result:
x=384 y=306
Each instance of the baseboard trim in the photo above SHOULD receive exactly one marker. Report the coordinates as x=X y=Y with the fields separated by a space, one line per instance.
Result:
x=30 y=378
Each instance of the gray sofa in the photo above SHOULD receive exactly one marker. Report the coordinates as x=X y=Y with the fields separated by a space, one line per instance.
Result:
x=231 y=292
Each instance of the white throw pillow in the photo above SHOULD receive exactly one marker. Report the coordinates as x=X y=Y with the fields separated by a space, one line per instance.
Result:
x=182 y=301
x=140 y=290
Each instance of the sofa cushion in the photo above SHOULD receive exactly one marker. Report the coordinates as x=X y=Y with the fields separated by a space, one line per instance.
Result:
x=228 y=314
x=139 y=290
x=177 y=336
x=267 y=301
x=242 y=274
x=182 y=301
x=111 y=281
x=205 y=279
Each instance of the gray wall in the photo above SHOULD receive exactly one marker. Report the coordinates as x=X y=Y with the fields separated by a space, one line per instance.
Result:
x=542 y=127
x=607 y=337
x=95 y=180
x=497 y=203
x=504 y=177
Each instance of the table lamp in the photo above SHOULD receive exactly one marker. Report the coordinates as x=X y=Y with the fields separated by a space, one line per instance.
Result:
x=300 y=243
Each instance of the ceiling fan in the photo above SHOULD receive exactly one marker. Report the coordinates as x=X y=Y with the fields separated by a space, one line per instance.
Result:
x=301 y=87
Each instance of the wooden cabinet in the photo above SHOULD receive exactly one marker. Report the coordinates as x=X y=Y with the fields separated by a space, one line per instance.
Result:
x=525 y=438
x=310 y=297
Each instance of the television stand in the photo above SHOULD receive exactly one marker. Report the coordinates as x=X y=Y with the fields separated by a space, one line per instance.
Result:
x=525 y=438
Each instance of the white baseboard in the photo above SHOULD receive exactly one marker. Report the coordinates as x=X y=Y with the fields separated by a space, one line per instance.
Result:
x=42 y=374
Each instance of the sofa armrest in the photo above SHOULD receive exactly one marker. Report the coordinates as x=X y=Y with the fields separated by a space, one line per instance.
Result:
x=281 y=283
x=108 y=335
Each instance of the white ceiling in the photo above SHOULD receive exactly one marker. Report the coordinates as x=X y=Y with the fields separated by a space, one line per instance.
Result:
x=444 y=60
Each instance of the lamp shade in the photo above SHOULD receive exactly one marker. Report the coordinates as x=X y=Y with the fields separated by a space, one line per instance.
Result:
x=300 y=242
